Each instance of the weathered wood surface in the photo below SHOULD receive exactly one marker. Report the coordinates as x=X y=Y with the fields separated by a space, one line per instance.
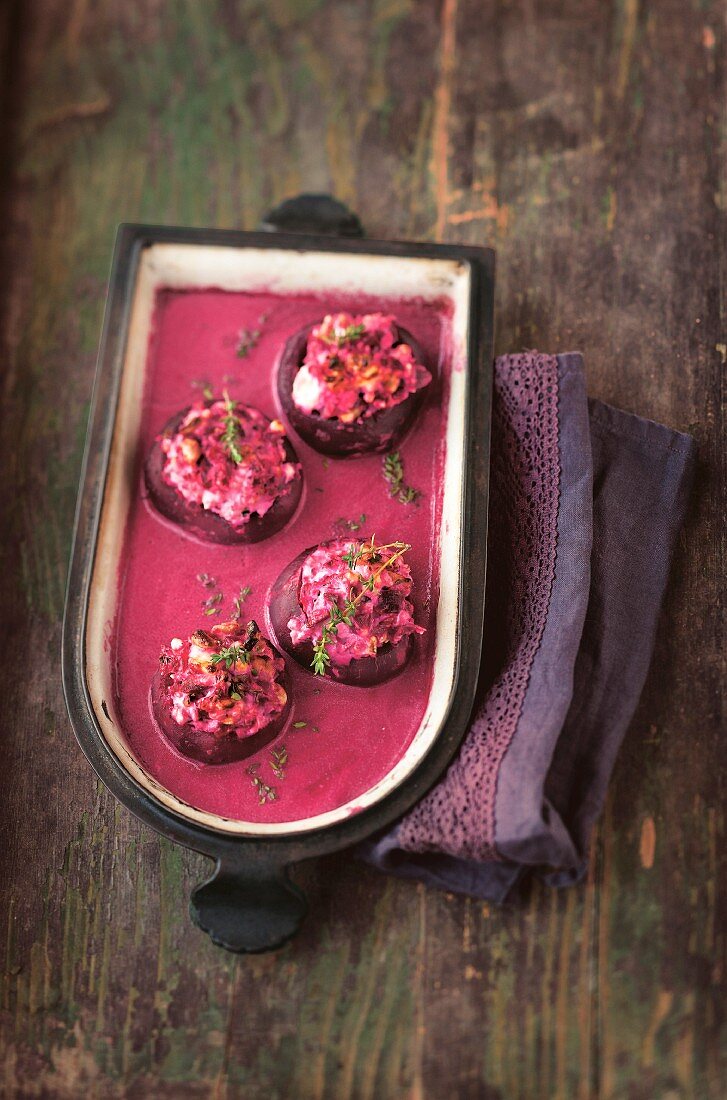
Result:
x=579 y=138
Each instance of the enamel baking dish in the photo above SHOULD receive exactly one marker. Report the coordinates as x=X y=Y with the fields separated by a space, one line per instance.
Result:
x=249 y=904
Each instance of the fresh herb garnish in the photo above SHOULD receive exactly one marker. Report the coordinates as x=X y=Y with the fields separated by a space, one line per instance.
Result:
x=394 y=475
x=211 y=606
x=206 y=388
x=321 y=658
x=351 y=524
x=246 y=341
x=248 y=337
x=264 y=792
x=206 y=580
x=352 y=556
x=346 y=614
x=278 y=761
x=230 y=655
x=239 y=601
x=233 y=430
x=346 y=335
x=299 y=725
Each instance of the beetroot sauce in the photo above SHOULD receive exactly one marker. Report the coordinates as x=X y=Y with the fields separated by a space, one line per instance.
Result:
x=351 y=736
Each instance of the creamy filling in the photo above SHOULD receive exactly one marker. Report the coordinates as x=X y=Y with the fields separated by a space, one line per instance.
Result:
x=223 y=681
x=354 y=599
x=355 y=366
x=229 y=459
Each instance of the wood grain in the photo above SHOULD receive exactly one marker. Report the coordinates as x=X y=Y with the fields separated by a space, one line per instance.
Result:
x=582 y=140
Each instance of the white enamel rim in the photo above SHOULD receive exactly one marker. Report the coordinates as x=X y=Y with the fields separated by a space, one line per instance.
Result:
x=191 y=266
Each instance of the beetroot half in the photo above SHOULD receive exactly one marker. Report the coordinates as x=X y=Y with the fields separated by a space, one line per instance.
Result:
x=204 y=523
x=206 y=747
x=374 y=433
x=364 y=672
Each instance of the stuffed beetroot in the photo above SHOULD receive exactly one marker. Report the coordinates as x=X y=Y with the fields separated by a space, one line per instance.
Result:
x=224 y=472
x=352 y=383
x=220 y=696
x=342 y=609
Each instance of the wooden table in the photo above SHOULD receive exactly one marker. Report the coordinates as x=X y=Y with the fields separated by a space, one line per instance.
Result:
x=581 y=140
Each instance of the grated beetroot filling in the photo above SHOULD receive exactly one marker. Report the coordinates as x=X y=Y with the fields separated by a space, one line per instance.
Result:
x=354 y=367
x=199 y=464
x=383 y=616
x=230 y=696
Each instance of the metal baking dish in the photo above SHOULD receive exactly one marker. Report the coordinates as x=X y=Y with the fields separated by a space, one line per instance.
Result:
x=249 y=903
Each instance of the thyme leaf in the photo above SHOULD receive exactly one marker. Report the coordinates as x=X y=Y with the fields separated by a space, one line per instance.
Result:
x=278 y=761
x=394 y=475
x=206 y=388
x=351 y=558
x=264 y=792
x=239 y=600
x=233 y=430
x=351 y=524
x=211 y=606
x=249 y=337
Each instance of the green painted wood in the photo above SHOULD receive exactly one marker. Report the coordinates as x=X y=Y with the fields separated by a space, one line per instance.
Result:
x=582 y=140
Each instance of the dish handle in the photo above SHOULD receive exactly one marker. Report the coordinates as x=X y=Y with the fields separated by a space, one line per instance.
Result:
x=248 y=907
x=313 y=213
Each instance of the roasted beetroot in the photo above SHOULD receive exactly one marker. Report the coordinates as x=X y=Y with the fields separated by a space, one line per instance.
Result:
x=342 y=609
x=220 y=695
x=225 y=472
x=351 y=384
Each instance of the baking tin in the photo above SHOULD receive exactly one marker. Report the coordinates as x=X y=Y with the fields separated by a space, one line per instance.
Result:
x=249 y=903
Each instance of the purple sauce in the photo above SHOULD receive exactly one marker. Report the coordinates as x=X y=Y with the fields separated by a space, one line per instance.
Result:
x=352 y=736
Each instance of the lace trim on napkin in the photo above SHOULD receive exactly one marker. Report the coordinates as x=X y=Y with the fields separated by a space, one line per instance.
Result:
x=458 y=815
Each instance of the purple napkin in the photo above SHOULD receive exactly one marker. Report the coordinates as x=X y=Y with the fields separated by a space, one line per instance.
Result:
x=586 y=504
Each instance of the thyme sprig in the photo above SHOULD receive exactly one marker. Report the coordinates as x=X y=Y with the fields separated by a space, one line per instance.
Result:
x=278 y=761
x=239 y=600
x=233 y=430
x=230 y=655
x=265 y=793
x=394 y=475
x=346 y=614
x=248 y=337
x=346 y=335
x=237 y=651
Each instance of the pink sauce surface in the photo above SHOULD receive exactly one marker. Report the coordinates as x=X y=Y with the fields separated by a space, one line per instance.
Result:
x=352 y=736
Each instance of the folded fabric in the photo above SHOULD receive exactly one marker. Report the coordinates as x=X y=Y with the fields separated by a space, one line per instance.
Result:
x=585 y=506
